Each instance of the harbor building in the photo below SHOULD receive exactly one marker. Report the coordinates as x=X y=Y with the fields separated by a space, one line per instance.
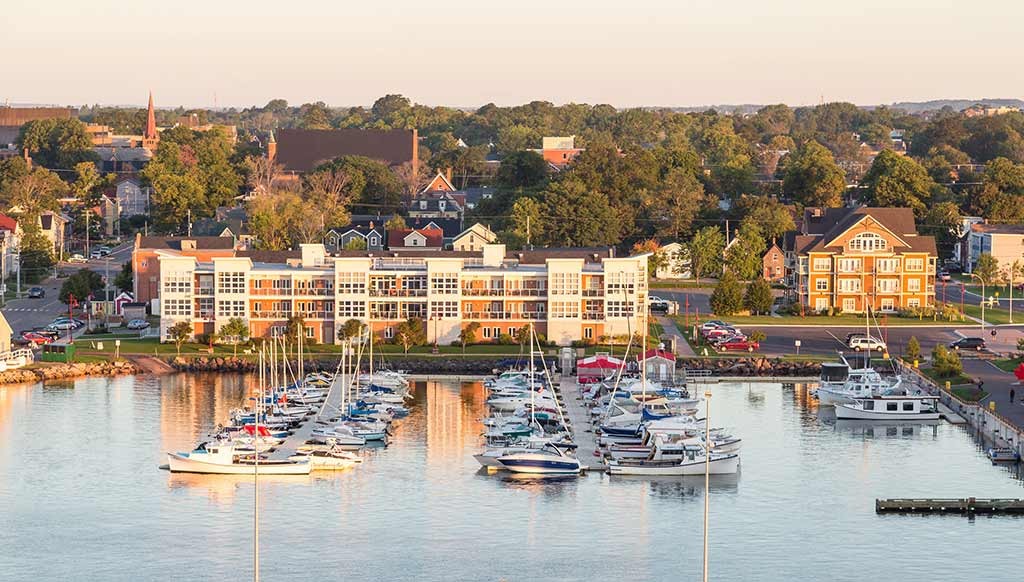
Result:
x=568 y=294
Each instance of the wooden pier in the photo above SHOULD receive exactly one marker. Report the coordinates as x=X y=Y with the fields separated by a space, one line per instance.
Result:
x=963 y=505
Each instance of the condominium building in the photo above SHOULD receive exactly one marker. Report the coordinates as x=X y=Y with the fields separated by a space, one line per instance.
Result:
x=568 y=294
x=849 y=258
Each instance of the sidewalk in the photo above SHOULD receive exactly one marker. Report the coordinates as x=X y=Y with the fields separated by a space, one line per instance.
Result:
x=682 y=346
x=998 y=384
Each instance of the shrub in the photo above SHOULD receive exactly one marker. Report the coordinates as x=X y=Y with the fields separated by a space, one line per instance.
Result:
x=913 y=349
x=506 y=339
x=945 y=362
x=758 y=298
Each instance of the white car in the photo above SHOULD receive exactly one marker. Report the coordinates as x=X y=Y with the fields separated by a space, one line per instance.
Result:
x=864 y=343
x=77 y=258
x=137 y=324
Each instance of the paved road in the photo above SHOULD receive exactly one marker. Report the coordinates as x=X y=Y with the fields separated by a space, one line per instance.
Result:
x=998 y=384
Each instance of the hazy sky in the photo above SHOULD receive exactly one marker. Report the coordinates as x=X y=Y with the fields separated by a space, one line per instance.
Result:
x=471 y=52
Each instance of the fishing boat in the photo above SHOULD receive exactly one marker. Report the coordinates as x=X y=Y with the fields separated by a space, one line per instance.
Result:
x=691 y=462
x=842 y=384
x=333 y=459
x=889 y=408
x=1002 y=455
x=548 y=460
x=222 y=459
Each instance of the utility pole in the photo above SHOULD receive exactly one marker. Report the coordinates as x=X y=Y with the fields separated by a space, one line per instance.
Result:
x=87 y=213
x=189 y=222
x=528 y=232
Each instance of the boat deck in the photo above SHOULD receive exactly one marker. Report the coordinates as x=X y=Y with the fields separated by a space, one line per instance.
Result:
x=578 y=416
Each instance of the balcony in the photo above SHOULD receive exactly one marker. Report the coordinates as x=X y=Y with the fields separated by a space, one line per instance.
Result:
x=593 y=315
x=398 y=292
x=313 y=292
x=483 y=292
x=491 y=315
x=265 y=291
x=519 y=292
x=271 y=314
x=316 y=314
x=593 y=292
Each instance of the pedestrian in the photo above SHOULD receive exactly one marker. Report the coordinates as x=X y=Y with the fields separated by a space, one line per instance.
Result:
x=1012 y=394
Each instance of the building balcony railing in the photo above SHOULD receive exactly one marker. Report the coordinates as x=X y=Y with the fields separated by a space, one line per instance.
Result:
x=315 y=314
x=483 y=292
x=490 y=315
x=398 y=292
x=593 y=292
x=204 y=292
x=269 y=291
x=520 y=292
x=271 y=314
x=297 y=291
x=389 y=315
x=593 y=315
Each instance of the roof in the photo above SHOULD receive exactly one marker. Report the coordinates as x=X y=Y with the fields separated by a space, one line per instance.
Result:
x=998 y=228
x=825 y=225
x=112 y=154
x=539 y=256
x=658 y=354
x=8 y=223
x=203 y=243
x=270 y=256
x=439 y=182
x=302 y=150
x=601 y=362
x=434 y=236
x=430 y=253
x=479 y=229
x=451 y=227
x=17 y=116
x=476 y=194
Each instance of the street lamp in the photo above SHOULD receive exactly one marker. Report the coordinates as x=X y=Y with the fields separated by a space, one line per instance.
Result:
x=435 y=318
x=975 y=275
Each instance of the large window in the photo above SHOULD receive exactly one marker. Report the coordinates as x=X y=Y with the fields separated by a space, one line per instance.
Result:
x=619 y=281
x=177 y=307
x=913 y=285
x=888 y=285
x=444 y=283
x=887 y=265
x=444 y=309
x=565 y=284
x=351 y=309
x=822 y=264
x=619 y=308
x=565 y=309
x=849 y=266
x=178 y=282
x=849 y=285
x=230 y=282
x=821 y=284
x=351 y=283
x=868 y=242
x=231 y=309
x=915 y=264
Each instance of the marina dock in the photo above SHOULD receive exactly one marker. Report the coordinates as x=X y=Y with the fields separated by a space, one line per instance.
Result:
x=578 y=417
x=963 y=505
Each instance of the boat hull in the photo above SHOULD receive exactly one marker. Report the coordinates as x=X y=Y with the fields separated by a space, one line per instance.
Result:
x=847 y=412
x=539 y=464
x=723 y=465
x=184 y=463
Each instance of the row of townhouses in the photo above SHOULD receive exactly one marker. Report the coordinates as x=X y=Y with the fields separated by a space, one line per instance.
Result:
x=568 y=294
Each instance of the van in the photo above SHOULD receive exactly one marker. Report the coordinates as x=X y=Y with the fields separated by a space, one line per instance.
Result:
x=865 y=343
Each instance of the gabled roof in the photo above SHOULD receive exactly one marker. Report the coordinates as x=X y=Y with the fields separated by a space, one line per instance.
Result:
x=480 y=230
x=451 y=227
x=658 y=354
x=998 y=228
x=824 y=226
x=302 y=150
x=397 y=237
x=439 y=183
x=8 y=223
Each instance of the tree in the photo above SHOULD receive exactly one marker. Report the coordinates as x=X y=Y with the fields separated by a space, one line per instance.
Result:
x=812 y=177
x=351 y=329
x=414 y=178
x=87 y=184
x=895 y=180
x=772 y=217
x=574 y=216
x=125 y=279
x=180 y=333
x=411 y=332
x=704 y=251
x=757 y=336
x=522 y=169
x=236 y=331
x=676 y=204
x=32 y=193
x=946 y=362
x=468 y=335
x=329 y=192
x=275 y=219
x=36 y=254
x=369 y=182
x=944 y=222
x=913 y=349
x=396 y=222
x=356 y=244
x=82 y=284
x=261 y=173
x=727 y=298
x=56 y=143
x=758 y=298
x=657 y=259
x=295 y=328
x=316 y=116
x=524 y=221
x=987 y=269
x=743 y=256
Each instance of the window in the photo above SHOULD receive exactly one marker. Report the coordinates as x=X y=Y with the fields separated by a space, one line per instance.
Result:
x=495 y=332
x=177 y=307
x=619 y=308
x=588 y=333
x=231 y=309
x=888 y=285
x=887 y=265
x=849 y=266
x=487 y=333
x=308 y=332
x=389 y=332
x=231 y=282
x=423 y=204
x=374 y=241
x=178 y=282
x=913 y=303
x=205 y=307
x=821 y=284
x=565 y=284
x=891 y=406
x=820 y=304
x=565 y=309
x=445 y=309
x=908 y=406
x=849 y=304
x=888 y=305
x=868 y=242
x=351 y=283
x=849 y=285
x=913 y=285
x=620 y=281
x=351 y=309
x=444 y=283
x=915 y=264
x=869 y=405
x=822 y=264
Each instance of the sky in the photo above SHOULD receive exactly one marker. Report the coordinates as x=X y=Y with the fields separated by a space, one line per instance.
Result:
x=467 y=53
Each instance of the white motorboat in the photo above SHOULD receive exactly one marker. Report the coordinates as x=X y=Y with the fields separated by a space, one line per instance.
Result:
x=859 y=383
x=222 y=459
x=333 y=459
x=674 y=446
x=341 y=434
x=489 y=457
x=511 y=403
x=549 y=460
x=691 y=462
x=889 y=408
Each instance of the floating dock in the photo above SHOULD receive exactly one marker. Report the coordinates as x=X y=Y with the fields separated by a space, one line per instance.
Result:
x=578 y=416
x=963 y=505
x=950 y=416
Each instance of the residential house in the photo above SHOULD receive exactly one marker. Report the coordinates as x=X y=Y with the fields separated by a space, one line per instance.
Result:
x=371 y=234
x=131 y=196
x=412 y=239
x=559 y=152
x=54 y=227
x=437 y=204
x=475 y=195
x=148 y=249
x=301 y=150
x=853 y=258
x=449 y=227
x=672 y=265
x=473 y=238
x=6 y=332
x=10 y=242
x=561 y=291
x=1005 y=242
x=773 y=264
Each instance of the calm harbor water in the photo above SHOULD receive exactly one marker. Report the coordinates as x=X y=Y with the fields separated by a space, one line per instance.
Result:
x=81 y=499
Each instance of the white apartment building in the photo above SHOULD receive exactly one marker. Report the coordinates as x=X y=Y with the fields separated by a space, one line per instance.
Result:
x=568 y=294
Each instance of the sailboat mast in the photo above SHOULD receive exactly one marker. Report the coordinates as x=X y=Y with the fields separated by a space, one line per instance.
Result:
x=533 y=408
x=369 y=374
x=256 y=479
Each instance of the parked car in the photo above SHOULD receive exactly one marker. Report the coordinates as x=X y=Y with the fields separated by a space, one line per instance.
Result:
x=65 y=323
x=712 y=324
x=44 y=332
x=77 y=258
x=737 y=344
x=721 y=332
x=36 y=338
x=968 y=343
x=36 y=293
x=866 y=343
x=95 y=254
x=944 y=276
x=728 y=338
x=654 y=299
x=104 y=250
x=137 y=324
x=659 y=307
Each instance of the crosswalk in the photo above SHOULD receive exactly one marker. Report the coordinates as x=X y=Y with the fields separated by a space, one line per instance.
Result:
x=10 y=309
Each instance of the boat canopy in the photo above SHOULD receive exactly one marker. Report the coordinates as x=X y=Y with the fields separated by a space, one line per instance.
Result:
x=599 y=365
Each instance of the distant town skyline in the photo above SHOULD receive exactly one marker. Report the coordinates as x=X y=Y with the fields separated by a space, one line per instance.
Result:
x=462 y=54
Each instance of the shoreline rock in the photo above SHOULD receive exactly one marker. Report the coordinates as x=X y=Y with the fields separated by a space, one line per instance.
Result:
x=67 y=371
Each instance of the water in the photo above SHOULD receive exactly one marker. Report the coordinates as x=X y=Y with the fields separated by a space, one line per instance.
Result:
x=81 y=499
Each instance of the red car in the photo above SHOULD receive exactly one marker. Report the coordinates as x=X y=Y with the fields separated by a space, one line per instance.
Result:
x=38 y=339
x=737 y=345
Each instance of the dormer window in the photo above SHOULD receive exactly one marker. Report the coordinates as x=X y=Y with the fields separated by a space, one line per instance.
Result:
x=423 y=204
x=374 y=241
x=868 y=242
x=441 y=205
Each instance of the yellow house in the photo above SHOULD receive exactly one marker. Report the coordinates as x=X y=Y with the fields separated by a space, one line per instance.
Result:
x=852 y=258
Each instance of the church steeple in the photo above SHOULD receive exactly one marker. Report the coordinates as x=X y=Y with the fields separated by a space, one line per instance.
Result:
x=150 y=137
x=271 y=147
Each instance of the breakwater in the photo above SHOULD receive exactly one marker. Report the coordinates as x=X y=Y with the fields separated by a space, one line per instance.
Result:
x=66 y=371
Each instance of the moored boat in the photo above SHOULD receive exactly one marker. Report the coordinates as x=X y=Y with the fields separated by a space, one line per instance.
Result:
x=222 y=459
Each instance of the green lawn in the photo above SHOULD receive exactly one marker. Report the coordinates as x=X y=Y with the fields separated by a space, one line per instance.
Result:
x=996 y=315
x=968 y=393
x=957 y=380
x=1008 y=364
x=680 y=284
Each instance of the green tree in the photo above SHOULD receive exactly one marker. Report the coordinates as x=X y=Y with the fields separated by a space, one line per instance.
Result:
x=235 y=331
x=468 y=335
x=81 y=284
x=411 y=332
x=727 y=297
x=316 y=116
x=522 y=169
x=356 y=244
x=368 y=182
x=396 y=222
x=812 y=177
x=295 y=328
x=32 y=193
x=913 y=349
x=125 y=279
x=180 y=333
x=704 y=251
x=576 y=217
x=351 y=329
x=676 y=204
x=36 y=254
x=946 y=362
x=56 y=143
x=524 y=222
x=275 y=219
x=987 y=269
x=743 y=256
x=772 y=217
x=516 y=138
x=895 y=180
x=758 y=298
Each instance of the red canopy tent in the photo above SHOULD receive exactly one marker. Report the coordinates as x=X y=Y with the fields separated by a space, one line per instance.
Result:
x=599 y=365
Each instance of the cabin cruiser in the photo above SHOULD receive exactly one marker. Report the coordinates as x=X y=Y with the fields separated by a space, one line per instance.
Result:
x=334 y=458
x=691 y=460
x=341 y=434
x=674 y=445
x=223 y=459
x=498 y=448
x=510 y=403
x=889 y=408
x=859 y=383
x=548 y=460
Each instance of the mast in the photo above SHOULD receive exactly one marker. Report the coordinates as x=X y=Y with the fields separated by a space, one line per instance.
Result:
x=533 y=408
x=369 y=374
x=256 y=479
x=707 y=475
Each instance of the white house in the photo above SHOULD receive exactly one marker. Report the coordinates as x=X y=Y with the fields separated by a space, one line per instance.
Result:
x=474 y=238
x=674 y=266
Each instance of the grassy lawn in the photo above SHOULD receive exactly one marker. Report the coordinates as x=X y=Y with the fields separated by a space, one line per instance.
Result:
x=1008 y=364
x=679 y=285
x=845 y=320
x=995 y=315
x=655 y=329
x=957 y=380
x=968 y=393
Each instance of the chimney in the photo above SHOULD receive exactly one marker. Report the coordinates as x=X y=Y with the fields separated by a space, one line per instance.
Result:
x=448 y=173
